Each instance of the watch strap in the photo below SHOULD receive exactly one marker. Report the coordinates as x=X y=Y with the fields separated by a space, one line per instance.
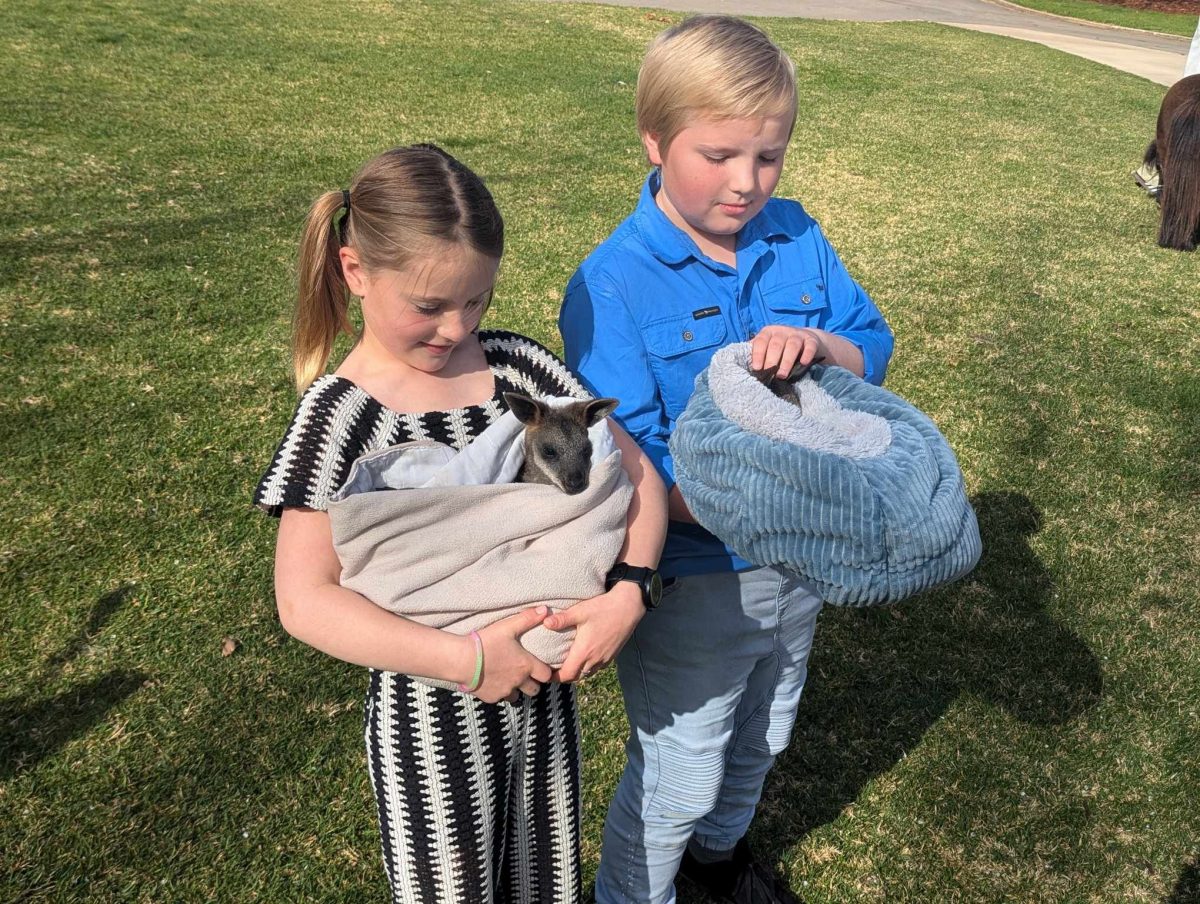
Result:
x=645 y=577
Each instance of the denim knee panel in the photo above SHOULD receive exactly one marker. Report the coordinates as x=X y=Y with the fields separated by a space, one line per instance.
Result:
x=687 y=781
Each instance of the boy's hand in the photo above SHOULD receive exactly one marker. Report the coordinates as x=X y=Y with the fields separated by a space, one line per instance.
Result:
x=783 y=347
x=602 y=625
x=508 y=668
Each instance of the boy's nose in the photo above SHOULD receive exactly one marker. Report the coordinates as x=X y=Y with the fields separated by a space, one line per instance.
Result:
x=743 y=178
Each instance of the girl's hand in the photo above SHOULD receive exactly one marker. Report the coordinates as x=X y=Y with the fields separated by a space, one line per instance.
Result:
x=602 y=625
x=508 y=668
x=783 y=347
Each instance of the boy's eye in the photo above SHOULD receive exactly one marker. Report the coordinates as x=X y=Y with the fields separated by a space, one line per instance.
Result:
x=425 y=312
x=714 y=158
x=766 y=159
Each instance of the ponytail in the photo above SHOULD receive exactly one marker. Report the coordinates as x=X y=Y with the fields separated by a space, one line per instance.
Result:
x=323 y=299
x=407 y=201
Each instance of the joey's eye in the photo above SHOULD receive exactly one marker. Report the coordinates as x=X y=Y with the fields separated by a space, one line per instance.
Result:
x=549 y=452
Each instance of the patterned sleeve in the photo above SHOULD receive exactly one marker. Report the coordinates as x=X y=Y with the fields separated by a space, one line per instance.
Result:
x=314 y=458
x=530 y=367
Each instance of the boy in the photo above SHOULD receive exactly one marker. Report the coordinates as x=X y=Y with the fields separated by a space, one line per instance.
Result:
x=712 y=677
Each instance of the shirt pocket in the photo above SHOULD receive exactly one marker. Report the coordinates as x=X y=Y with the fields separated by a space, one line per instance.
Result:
x=681 y=347
x=804 y=303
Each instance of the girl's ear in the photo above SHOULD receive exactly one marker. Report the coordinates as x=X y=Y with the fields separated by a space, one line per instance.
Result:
x=352 y=271
x=653 y=152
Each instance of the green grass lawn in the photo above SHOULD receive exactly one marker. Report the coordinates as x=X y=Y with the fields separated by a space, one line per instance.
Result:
x=1111 y=14
x=1031 y=734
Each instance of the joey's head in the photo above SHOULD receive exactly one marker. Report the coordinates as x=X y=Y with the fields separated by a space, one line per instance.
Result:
x=558 y=450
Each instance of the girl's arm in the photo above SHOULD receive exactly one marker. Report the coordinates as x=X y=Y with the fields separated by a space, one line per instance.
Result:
x=677 y=509
x=604 y=622
x=316 y=609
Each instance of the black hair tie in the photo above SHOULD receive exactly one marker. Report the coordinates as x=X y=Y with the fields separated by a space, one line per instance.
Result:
x=341 y=227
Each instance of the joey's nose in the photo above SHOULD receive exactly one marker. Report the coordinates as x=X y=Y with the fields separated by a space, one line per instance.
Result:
x=575 y=482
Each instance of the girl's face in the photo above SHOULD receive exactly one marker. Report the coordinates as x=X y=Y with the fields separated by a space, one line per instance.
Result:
x=419 y=314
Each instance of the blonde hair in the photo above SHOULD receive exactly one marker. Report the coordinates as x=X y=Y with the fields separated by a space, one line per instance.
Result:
x=401 y=204
x=712 y=67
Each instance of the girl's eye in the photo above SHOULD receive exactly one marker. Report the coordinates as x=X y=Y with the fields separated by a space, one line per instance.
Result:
x=476 y=302
x=425 y=312
x=714 y=158
x=766 y=159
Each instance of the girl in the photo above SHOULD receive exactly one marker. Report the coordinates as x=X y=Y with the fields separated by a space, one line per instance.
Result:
x=477 y=791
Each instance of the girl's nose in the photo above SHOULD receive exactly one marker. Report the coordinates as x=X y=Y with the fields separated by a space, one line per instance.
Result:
x=456 y=325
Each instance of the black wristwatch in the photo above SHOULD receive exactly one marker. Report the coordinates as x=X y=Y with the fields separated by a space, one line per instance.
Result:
x=646 y=578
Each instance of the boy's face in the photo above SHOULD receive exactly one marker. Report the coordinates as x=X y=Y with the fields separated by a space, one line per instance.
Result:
x=717 y=175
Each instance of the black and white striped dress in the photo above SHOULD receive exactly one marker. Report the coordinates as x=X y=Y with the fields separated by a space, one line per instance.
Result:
x=477 y=802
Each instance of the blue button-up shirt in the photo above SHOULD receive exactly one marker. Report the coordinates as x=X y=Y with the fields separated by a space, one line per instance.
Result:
x=646 y=310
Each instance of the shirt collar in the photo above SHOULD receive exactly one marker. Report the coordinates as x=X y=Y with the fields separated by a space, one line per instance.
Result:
x=672 y=245
x=765 y=227
x=666 y=241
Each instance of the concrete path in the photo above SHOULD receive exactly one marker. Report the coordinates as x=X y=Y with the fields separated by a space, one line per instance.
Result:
x=1156 y=57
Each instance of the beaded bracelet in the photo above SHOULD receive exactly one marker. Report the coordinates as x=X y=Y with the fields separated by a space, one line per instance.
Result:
x=477 y=678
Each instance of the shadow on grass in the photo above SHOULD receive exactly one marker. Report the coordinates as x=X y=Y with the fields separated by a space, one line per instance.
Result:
x=1187 y=889
x=31 y=731
x=225 y=793
x=881 y=678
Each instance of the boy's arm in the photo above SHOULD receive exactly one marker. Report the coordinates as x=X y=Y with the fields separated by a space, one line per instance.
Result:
x=781 y=347
x=853 y=316
x=603 y=346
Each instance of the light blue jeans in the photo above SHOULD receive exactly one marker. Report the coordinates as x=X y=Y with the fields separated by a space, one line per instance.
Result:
x=711 y=680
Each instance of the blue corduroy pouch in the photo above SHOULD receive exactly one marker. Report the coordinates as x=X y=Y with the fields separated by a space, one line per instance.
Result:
x=854 y=489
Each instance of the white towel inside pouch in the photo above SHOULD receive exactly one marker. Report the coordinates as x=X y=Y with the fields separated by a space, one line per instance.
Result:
x=820 y=423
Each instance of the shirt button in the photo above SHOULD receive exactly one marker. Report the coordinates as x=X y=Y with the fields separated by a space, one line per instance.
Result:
x=687 y=336
x=806 y=299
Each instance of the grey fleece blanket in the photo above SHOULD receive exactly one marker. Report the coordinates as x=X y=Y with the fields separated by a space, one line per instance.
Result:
x=446 y=538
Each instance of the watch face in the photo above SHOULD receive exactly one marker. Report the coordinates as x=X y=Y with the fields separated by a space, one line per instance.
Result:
x=655 y=588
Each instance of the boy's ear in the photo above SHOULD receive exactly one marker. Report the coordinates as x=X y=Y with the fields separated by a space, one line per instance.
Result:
x=653 y=152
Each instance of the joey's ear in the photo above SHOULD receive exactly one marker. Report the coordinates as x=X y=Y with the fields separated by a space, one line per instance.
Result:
x=798 y=370
x=528 y=411
x=653 y=151
x=352 y=271
x=597 y=409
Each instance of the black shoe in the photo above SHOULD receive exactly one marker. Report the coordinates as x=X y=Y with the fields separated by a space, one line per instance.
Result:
x=738 y=881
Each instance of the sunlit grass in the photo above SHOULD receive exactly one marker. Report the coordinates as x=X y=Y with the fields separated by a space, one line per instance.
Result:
x=1114 y=14
x=1030 y=734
